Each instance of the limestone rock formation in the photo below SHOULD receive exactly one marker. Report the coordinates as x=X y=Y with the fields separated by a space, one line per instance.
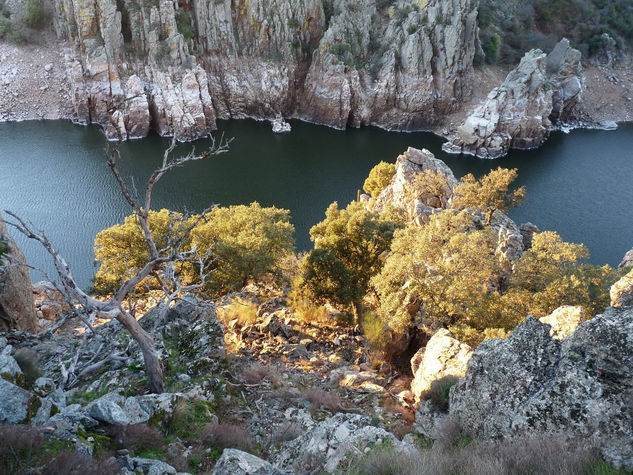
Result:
x=335 y=439
x=622 y=291
x=627 y=260
x=577 y=387
x=236 y=462
x=402 y=191
x=442 y=356
x=401 y=65
x=541 y=92
x=564 y=320
x=16 y=298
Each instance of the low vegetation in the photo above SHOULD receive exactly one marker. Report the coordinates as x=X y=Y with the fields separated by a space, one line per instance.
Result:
x=511 y=28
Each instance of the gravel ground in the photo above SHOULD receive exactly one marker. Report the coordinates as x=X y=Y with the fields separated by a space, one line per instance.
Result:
x=33 y=82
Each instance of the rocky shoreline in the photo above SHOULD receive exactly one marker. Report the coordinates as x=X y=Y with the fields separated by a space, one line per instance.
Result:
x=177 y=71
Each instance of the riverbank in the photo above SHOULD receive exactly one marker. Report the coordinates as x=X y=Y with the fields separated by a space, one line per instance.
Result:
x=36 y=86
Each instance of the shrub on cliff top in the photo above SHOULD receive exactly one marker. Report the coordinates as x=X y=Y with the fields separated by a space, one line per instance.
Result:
x=234 y=244
x=349 y=248
x=379 y=178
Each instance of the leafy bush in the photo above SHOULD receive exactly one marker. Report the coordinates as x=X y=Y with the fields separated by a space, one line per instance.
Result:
x=237 y=244
x=350 y=245
x=379 y=178
x=183 y=23
x=29 y=363
x=439 y=391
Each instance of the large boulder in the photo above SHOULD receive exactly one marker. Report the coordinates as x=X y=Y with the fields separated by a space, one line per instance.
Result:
x=236 y=462
x=9 y=368
x=627 y=260
x=16 y=404
x=540 y=93
x=443 y=356
x=402 y=191
x=17 y=311
x=622 y=291
x=580 y=387
x=564 y=320
x=328 y=444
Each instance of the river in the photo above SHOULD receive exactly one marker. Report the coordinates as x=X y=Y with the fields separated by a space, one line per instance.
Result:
x=54 y=174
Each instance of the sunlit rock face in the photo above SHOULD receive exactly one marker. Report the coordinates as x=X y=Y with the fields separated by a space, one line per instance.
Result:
x=541 y=92
x=340 y=63
x=577 y=387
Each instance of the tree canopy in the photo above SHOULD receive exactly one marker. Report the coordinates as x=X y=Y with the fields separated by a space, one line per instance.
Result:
x=379 y=178
x=349 y=248
x=235 y=243
x=447 y=274
x=489 y=193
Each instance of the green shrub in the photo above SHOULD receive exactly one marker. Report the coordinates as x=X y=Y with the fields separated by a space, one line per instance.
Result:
x=379 y=178
x=34 y=15
x=439 y=392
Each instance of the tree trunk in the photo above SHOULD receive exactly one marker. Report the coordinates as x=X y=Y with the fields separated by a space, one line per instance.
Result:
x=146 y=343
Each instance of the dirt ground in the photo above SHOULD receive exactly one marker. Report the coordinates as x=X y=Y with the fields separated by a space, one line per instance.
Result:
x=33 y=82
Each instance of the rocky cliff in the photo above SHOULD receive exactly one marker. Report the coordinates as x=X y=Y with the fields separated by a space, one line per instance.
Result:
x=178 y=66
x=16 y=297
x=542 y=93
x=531 y=382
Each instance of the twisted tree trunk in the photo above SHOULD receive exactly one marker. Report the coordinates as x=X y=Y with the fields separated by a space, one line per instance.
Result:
x=150 y=356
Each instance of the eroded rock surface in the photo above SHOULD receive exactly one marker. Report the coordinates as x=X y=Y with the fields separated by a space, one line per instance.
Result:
x=541 y=93
x=17 y=311
x=401 y=66
x=442 y=356
x=579 y=387
x=622 y=291
x=564 y=320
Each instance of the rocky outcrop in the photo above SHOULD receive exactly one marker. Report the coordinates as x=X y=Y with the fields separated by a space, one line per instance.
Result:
x=332 y=441
x=406 y=192
x=627 y=260
x=564 y=320
x=16 y=299
x=540 y=94
x=622 y=292
x=442 y=356
x=401 y=65
x=236 y=462
x=577 y=387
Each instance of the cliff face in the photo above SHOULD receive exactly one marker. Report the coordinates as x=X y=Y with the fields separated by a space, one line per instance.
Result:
x=178 y=66
x=541 y=93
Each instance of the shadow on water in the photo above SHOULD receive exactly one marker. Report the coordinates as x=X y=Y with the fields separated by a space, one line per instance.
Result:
x=54 y=173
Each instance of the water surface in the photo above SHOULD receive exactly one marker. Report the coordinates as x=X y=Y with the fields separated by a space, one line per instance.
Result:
x=54 y=174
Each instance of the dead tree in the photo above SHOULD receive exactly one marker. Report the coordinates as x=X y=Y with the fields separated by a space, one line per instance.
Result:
x=160 y=260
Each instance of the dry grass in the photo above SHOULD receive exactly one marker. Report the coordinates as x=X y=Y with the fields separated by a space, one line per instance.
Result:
x=137 y=437
x=541 y=454
x=228 y=436
x=73 y=463
x=321 y=399
x=244 y=311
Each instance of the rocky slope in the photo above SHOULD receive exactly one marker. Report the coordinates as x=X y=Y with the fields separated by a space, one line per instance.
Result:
x=178 y=66
x=531 y=382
